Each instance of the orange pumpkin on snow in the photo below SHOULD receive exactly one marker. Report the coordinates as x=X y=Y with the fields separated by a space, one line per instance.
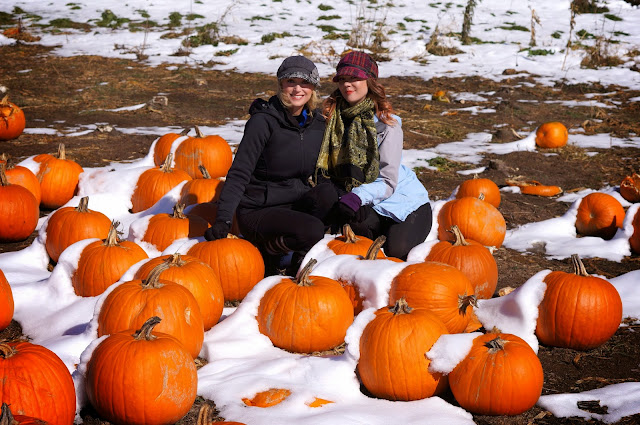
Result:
x=552 y=135
x=58 y=177
x=599 y=214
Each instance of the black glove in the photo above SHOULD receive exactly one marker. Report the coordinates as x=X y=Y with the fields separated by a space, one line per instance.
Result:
x=219 y=230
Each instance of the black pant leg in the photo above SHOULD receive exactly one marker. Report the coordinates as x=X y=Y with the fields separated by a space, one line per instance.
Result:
x=403 y=236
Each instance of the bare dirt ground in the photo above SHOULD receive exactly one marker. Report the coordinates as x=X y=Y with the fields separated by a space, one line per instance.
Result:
x=59 y=93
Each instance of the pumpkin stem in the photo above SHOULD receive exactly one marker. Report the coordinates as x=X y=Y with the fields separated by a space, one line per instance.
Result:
x=61 y=151
x=184 y=132
x=6 y=418
x=495 y=344
x=348 y=234
x=578 y=266
x=5 y=100
x=112 y=237
x=401 y=307
x=465 y=301
x=203 y=170
x=460 y=240
x=372 y=252
x=4 y=181
x=178 y=211
x=232 y=236
x=145 y=331
x=6 y=351
x=83 y=205
x=166 y=165
x=303 y=277
x=175 y=260
x=205 y=415
x=152 y=280
x=199 y=133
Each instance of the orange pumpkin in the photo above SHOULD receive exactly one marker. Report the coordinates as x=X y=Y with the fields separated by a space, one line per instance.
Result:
x=501 y=375
x=12 y=121
x=351 y=244
x=163 y=229
x=477 y=220
x=58 y=179
x=552 y=135
x=392 y=362
x=471 y=258
x=476 y=186
x=305 y=314
x=141 y=377
x=163 y=146
x=533 y=187
x=236 y=261
x=599 y=214
x=69 y=225
x=154 y=183
x=197 y=277
x=213 y=152
x=630 y=188
x=268 y=398
x=19 y=211
x=7 y=418
x=205 y=189
x=130 y=302
x=578 y=311
x=6 y=302
x=439 y=287
x=102 y=263
x=38 y=384
x=634 y=240
x=22 y=176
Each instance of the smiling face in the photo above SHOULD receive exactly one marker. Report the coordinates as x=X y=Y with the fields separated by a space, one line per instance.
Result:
x=353 y=89
x=297 y=92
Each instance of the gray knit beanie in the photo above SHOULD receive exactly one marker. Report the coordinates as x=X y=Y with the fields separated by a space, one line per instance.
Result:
x=299 y=67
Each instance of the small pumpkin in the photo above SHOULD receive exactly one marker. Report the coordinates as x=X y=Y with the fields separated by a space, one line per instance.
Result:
x=477 y=186
x=130 y=302
x=599 y=214
x=163 y=229
x=400 y=335
x=157 y=386
x=69 y=225
x=351 y=244
x=439 y=287
x=154 y=183
x=12 y=121
x=197 y=277
x=19 y=211
x=236 y=261
x=578 y=311
x=213 y=152
x=630 y=188
x=22 y=176
x=40 y=384
x=477 y=220
x=58 y=177
x=102 y=263
x=536 y=188
x=163 y=145
x=205 y=189
x=552 y=135
x=305 y=314
x=471 y=258
x=6 y=302
x=501 y=375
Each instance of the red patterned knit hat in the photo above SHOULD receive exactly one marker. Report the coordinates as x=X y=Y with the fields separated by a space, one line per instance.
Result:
x=357 y=64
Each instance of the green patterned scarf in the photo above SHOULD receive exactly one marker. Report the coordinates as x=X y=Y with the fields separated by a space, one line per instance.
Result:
x=349 y=151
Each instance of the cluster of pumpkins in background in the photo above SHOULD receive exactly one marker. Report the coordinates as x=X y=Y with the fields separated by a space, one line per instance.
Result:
x=426 y=299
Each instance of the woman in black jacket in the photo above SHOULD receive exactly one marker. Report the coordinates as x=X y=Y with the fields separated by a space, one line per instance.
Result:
x=272 y=167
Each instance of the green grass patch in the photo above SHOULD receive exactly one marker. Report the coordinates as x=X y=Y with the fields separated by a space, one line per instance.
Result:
x=336 y=36
x=227 y=52
x=143 y=13
x=111 y=20
x=621 y=34
x=441 y=163
x=6 y=18
x=540 y=52
x=328 y=28
x=556 y=34
x=74 y=6
x=193 y=16
x=324 y=7
x=206 y=34
x=175 y=19
x=268 y=38
x=612 y=17
x=328 y=17
x=142 y=26
x=68 y=23
x=401 y=26
x=584 y=34
x=259 y=18
x=512 y=26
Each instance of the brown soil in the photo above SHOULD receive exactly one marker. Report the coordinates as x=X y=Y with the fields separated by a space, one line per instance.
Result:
x=65 y=92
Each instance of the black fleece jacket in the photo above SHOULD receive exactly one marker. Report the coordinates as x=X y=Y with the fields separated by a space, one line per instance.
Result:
x=274 y=160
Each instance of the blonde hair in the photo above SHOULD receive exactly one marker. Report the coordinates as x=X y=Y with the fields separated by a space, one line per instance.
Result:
x=311 y=105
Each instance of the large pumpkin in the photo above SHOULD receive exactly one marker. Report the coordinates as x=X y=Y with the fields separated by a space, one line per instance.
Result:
x=12 y=121
x=22 y=176
x=36 y=383
x=630 y=188
x=6 y=302
x=141 y=377
x=471 y=258
x=236 y=261
x=102 y=263
x=163 y=229
x=58 y=177
x=305 y=314
x=477 y=220
x=599 y=214
x=213 y=152
x=197 y=277
x=578 y=311
x=19 y=211
x=351 y=244
x=442 y=289
x=163 y=146
x=501 y=375
x=392 y=362
x=552 y=135
x=127 y=306
x=205 y=189
x=69 y=225
x=475 y=187
x=154 y=183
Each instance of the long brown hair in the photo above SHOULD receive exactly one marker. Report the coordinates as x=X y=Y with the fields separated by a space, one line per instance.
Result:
x=376 y=93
